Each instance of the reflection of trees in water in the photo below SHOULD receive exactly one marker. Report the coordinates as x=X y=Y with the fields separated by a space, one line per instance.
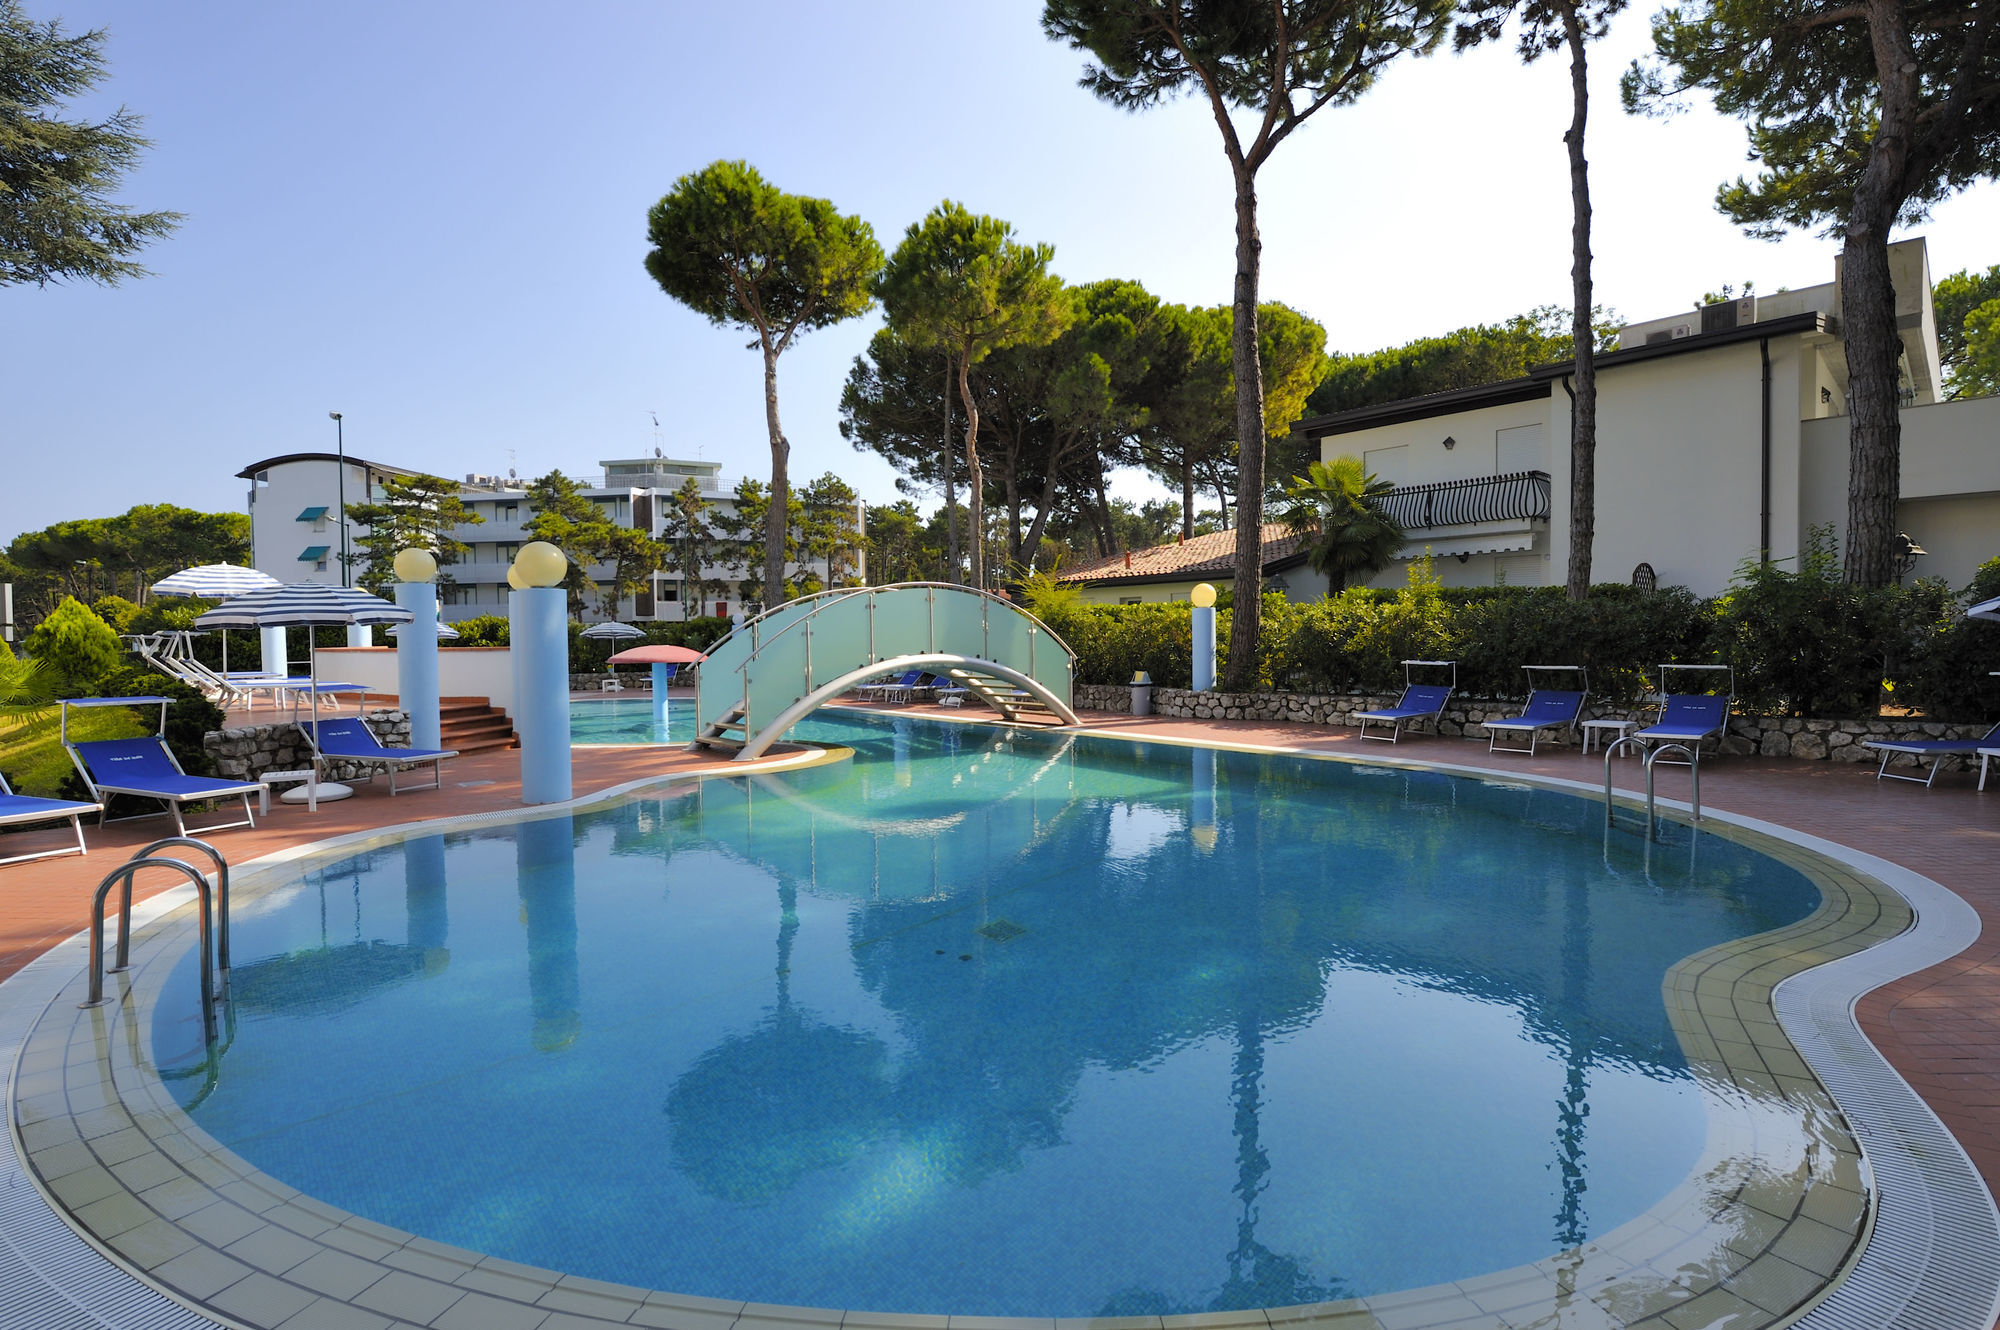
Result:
x=1087 y=961
x=760 y=1111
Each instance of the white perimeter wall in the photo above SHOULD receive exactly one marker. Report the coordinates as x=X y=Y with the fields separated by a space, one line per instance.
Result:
x=1950 y=483
x=486 y=672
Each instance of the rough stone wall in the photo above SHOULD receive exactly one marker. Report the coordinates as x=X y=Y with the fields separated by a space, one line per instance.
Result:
x=245 y=752
x=1763 y=736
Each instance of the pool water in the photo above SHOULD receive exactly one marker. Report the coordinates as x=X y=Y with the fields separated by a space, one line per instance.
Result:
x=629 y=720
x=990 y=1022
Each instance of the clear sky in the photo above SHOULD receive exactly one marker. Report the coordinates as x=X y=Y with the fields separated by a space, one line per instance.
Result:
x=431 y=218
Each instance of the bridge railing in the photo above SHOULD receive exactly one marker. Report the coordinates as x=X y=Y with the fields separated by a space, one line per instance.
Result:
x=788 y=652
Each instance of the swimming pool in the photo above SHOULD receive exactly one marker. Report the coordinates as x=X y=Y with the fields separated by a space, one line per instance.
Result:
x=992 y=1023
x=629 y=720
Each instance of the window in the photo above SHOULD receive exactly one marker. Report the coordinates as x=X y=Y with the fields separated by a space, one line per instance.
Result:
x=506 y=553
x=507 y=512
x=670 y=591
x=1128 y=600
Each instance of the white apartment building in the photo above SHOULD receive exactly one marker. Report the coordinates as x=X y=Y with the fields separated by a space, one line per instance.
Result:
x=296 y=537
x=1721 y=432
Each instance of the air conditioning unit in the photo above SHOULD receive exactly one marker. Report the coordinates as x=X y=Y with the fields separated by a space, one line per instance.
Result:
x=1673 y=334
x=1726 y=314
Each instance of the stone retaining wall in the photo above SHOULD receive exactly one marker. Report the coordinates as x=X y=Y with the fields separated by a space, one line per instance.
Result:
x=245 y=752
x=1763 y=736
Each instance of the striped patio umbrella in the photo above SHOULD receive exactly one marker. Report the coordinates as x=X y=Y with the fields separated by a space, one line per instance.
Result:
x=611 y=632
x=304 y=604
x=1985 y=609
x=218 y=580
x=446 y=633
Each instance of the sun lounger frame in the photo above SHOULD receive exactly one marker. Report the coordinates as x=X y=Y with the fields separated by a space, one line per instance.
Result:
x=52 y=810
x=1658 y=734
x=1939 y=751
x=391 y=760
x=1402 y=713
x=221 y=790
x=1527 y=722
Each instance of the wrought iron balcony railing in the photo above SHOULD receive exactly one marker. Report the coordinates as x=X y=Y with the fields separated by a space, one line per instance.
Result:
x=1514 y=497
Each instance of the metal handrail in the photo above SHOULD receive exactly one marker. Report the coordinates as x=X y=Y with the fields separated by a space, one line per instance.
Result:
x=1511 y=495
x=221 y=898
x=125 y=872
x=1650 y=756
x=871 y=592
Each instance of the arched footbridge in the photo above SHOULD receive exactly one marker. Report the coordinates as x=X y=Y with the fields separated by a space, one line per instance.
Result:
x=787 y=662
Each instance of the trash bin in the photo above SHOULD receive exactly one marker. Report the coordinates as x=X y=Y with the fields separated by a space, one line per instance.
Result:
x=1142 y=693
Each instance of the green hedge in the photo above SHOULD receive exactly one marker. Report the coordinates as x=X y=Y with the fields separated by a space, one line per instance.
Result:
x=1802 y=642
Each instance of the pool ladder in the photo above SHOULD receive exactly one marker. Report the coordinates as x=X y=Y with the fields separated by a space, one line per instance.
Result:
x=1651 y=759
x=214 y=921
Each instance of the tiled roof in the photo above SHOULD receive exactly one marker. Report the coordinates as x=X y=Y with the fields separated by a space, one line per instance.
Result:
x=1204 y=556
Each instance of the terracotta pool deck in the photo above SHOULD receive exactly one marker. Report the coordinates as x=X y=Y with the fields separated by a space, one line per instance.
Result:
x=1940 y=1028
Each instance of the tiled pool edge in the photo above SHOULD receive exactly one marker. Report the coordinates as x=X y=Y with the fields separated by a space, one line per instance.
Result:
x=1570 y=1280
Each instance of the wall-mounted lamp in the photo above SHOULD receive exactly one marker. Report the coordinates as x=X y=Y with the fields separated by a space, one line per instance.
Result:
x=1449 y=443
x=1826 y=396
x=1907 y=554
x=1463 y=558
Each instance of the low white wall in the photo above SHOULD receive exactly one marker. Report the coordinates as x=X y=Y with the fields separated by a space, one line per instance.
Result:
x=486 y=672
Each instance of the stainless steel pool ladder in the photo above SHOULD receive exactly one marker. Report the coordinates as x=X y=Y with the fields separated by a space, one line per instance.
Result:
x=214 y=920
x=1650 y=757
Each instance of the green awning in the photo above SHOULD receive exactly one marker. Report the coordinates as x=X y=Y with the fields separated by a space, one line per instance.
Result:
x=312 y=514
x=314 y=553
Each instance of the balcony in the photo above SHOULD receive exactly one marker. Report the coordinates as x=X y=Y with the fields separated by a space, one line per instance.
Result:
x=1520 y=496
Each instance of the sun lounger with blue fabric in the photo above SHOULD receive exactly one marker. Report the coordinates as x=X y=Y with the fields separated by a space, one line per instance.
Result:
x=1936 y=751
x=1547 y=709
x=351 y=740
x=21 y=810
x=881 y=689
x=1689 y=718
x=147 y=769
x=1419 y=702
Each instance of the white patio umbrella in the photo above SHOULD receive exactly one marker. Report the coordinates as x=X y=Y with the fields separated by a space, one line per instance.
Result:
x=217 y=580
x=1985 y=609
x=611 y=632
x=305 y=604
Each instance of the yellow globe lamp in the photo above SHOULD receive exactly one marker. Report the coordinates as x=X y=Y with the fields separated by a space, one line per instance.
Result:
x=1203 y=596
x=514 y=579
x=415 y=565
x=541 y=564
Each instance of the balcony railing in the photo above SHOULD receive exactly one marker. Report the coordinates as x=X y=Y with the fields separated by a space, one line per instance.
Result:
x=1517 y=496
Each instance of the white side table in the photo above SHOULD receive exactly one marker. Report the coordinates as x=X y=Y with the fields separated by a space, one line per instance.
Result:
x=1606 y=731
x=309 y=793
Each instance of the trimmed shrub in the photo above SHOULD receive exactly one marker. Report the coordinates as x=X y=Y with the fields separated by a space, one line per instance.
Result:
x=76 y=646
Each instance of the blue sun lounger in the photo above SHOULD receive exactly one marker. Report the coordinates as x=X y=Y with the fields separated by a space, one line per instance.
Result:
x=350 y=740
x=1689 y=718
x=1419 y=702
x=880 y=690
x=20 y=810
x=146 y=768
x=1547 y=709
x=1938 y=751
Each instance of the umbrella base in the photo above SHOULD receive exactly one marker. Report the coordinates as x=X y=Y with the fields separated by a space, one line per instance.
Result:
x=325 y=792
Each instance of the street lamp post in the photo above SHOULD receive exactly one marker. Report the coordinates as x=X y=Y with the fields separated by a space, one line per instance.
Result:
x=340 y=446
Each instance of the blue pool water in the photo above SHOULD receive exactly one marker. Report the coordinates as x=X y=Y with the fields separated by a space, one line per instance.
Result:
x=629 y=720
x=990 y=1022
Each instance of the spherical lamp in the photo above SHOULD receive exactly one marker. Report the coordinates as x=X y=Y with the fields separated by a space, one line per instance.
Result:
x=415 y=565
x=514 y=579
x=1203 y=596
x=541 y=564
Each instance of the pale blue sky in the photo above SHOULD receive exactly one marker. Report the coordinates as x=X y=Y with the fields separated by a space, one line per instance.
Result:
x=431 y=218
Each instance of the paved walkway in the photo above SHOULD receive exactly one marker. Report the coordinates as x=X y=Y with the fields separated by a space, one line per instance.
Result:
x=1940 y=1028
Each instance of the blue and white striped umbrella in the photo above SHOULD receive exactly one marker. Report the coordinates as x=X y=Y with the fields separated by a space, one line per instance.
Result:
x=446 y=633
x=612 y=631
x=302 y=603
x=219 y=580
x=1985 y=609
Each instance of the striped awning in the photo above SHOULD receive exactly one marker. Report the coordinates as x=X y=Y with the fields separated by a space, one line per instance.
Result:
x=214 y=579
x=313 y=553
x=303 y=603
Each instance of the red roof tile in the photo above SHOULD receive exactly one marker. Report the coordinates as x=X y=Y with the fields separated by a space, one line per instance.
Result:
x=1204 y=556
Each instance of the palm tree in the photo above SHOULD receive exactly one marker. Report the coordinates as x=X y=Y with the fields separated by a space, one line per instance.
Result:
x=1334 y=507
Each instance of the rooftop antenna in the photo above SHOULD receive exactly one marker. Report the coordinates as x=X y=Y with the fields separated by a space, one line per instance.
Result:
x=511 y=460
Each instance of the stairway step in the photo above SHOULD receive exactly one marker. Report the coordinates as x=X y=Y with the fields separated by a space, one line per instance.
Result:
x=481 y=744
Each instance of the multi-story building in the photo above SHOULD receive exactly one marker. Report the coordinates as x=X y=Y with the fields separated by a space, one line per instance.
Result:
x=296 y=530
